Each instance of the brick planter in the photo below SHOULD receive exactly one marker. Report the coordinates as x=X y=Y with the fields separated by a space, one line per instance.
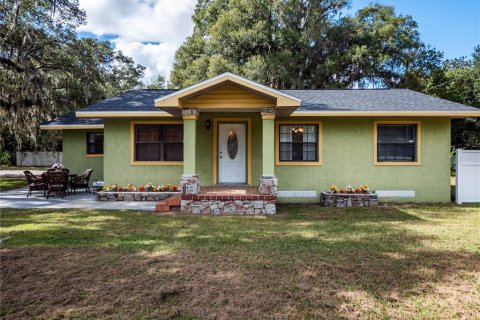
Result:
x=344 y=200
x=133 y=196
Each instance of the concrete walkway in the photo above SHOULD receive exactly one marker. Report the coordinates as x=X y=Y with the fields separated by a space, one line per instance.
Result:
x=17 y=198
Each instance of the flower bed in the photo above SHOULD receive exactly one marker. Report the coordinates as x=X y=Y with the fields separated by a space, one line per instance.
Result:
x=133 y=196
x=149 y=187
x=348 y=197
x=148 y=192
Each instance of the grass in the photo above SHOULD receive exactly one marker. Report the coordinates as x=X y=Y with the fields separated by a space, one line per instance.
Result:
x=22 y=168
x=307 y=262
x=12 y=183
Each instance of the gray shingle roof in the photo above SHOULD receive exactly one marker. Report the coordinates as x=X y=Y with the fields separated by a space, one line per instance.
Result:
x=373 y=100
x=71 y=119
x=132 y=100
x=312 y=100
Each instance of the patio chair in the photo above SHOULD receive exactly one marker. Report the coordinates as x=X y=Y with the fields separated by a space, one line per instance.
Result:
x=82 y=181
x=34 y=183
x=56 y=183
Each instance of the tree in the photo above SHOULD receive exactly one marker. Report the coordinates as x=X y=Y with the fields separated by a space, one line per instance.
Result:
x=45 y=70
x=157 y=82
x=303 y=44
x=278 y=43
x=459 y=81
x=386 y=50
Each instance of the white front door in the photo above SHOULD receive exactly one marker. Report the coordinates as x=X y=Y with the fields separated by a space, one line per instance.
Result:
x=231 y=153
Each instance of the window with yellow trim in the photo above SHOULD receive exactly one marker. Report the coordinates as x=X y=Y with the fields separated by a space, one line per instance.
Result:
x=158 y=142
x=298 y=142
x=397 y=143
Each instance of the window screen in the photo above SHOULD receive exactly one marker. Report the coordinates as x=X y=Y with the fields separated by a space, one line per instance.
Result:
x=397 y=142
x=158 y=142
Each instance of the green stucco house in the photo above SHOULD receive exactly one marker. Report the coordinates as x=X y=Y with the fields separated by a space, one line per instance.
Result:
x=229 y=130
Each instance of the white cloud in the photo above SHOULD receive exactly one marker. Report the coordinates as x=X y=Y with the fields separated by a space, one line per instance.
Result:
x=135 y=24
x=157 y=58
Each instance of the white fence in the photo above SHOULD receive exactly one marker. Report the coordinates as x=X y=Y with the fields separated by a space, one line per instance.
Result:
x=468 y=176
x=40 y=158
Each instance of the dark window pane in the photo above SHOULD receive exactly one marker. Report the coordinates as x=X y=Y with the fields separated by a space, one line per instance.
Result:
x=148 y=133
x=157 y=142
x=147 y=152
x=173 y=152
x=173 y=133
x=396 y=143
x=94 y=143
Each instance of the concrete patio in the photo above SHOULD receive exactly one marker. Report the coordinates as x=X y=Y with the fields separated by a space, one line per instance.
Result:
x=17 y=198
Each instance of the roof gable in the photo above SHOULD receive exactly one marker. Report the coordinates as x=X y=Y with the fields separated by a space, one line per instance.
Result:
x=176 y=99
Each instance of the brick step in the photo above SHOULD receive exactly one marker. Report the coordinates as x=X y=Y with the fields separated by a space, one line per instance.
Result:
x=174 y=201
x=162 y=207
x=165 y=205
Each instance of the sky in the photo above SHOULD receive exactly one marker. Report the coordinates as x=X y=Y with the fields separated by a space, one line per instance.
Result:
x=150 y=31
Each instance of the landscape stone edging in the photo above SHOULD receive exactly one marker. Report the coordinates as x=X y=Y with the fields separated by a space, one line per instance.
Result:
x=239 y=207
x=344 y=200
x=134 y=196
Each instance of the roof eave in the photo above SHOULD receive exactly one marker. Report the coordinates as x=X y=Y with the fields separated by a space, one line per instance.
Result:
x=121 y=114
x=70 y=126
x=447 y=114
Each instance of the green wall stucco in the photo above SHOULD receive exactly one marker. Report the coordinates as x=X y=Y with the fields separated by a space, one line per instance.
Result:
x=117 y=159
x=348 y=159
x=74 y=154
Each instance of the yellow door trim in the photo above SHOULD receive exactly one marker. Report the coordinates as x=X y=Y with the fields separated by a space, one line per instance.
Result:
x=216 y=121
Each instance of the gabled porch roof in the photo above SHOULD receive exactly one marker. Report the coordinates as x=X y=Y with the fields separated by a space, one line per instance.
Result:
x=228 y=92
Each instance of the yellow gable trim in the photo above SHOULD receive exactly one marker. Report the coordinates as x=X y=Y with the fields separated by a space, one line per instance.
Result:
x=228 y=96
x=174 y=99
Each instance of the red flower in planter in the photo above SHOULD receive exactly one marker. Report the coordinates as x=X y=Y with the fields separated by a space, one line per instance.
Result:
x=174 y=188
x=141 y=189
x=357 y=190
x=342 y=191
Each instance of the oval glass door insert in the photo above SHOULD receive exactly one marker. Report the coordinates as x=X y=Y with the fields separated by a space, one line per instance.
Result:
x=232 y=144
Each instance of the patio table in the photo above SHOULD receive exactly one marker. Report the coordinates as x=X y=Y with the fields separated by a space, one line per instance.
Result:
x=70 y=179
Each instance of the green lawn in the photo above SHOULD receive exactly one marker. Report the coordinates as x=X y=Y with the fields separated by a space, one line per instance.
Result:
x=23 y=168
x=307 y=262
x=12 y=183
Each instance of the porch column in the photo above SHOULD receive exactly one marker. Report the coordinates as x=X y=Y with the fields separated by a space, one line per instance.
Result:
x=189 y=183
x=268 y=181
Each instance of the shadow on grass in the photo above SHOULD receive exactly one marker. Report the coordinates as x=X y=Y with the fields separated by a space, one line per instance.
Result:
x=305 y=262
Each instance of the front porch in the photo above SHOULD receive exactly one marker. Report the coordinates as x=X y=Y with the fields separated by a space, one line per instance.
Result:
x=254 y=189
x=228 y=138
